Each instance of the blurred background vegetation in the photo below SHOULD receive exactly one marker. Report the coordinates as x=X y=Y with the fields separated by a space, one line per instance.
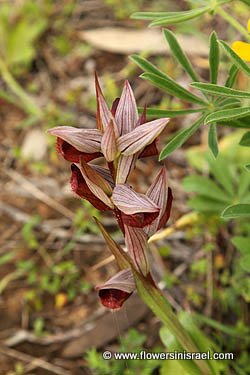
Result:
x=51 y=254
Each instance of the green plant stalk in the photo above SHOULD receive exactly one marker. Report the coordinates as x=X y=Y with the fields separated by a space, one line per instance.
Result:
x=27 y=102
x=159 y=305
x=235 y=24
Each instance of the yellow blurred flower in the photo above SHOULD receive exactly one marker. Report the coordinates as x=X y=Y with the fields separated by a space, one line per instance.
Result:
x=242 y=48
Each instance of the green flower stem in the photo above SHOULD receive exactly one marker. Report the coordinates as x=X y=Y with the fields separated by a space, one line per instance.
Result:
x=27 y=103
x=233 y=22
x=161 y=308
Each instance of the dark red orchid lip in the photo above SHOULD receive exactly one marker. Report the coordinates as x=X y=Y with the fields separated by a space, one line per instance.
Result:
x=113 y=298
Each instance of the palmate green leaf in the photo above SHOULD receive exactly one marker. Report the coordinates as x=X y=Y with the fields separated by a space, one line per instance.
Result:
x=206 y=187
x=212 y=140
x=224 y=179
x=227 y=114
x=224 y=102
x=171 y=87
x=161 y=80
x=235 y=58
x=242 y=244
x=155 y=112
x=220 y=90
x=232 y=76
x=180 y=17
x=236 y=211
x=180 y=138
x=245 y=140
x=214 y=57
x=244 y=186
x=180 y=55
x=204 y=204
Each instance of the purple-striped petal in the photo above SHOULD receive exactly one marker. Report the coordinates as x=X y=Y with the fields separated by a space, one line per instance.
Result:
x=125 y=166
x=126 y=114
x=136 y=242
x=108 y=143
x=84 y=140
x=80 y=187
x=117 y=290
x=141 y=136
x=104 y=115
x=158 y=192
x=96 y=183
x=131 y=202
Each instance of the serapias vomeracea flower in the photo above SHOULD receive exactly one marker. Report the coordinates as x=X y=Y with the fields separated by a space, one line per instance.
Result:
x=121 y=137
x=242 y=48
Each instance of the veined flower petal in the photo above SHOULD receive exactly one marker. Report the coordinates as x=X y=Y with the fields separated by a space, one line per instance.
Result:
x=117 y=289
x=84 y=140
x=96 y=183
x=166 y=214
x=136 y=242
x=242 y=49
x=141 y=136
x=125 y=166
x=108 y=143
x=158 y=192
x=71 y=154
x=105 y=173
x=104 y=115
x=130 y=202
x=79 y=186
x=126 y=115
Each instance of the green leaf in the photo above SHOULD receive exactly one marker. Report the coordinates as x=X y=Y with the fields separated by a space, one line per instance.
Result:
x=206 y=187
x=223 y=103
x=236 y=211
x=152 y=15
x=155 y=112
x=214 y=57
x=232 y=76
x=245 y=140
x=179 y=17
x=242 y=244
x=243 y=186
x=204 y=204
x=227 y=114
x=220 y=90
x=170 y=86
x=242 y=123
x=235 y=58
x=146 y=65
x=179 y=139
x=179 y=54
x=225 y=179
x=212 y=140
x=247 y=166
